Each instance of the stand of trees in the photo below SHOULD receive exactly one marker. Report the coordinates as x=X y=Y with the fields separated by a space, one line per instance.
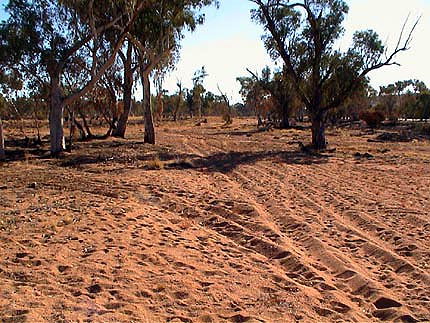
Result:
x=197 y=101
x=176 y=106
x=83 y=59
x=65 y=48
x=302 y=34
x=408 y=99
x=272 y=97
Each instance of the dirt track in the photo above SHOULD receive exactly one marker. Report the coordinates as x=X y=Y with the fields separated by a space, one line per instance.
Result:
x=239 y=226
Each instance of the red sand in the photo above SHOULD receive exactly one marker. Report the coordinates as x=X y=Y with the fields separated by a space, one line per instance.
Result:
x=238 y=226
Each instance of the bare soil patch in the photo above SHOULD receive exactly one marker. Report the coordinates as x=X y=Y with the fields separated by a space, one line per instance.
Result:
x=217 y=224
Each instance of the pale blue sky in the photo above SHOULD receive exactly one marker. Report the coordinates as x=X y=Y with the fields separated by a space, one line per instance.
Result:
x=229 y=42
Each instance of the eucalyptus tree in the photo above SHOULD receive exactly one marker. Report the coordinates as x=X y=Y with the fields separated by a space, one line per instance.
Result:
x=42 y=39
x=253 y=94
x=129 y=68
x=303 y=34
x=422 y=106
x=389 y=100
x=282 y=93
x=228 y=116
x=416 y=100
x=198 y=89
x=179 y=100
x=189 y=102
x=157 y=36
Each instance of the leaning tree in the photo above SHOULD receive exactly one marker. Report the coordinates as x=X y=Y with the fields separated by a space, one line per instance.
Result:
x=303 y=34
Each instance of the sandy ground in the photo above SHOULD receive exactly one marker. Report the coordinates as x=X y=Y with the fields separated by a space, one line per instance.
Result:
x=237 y=226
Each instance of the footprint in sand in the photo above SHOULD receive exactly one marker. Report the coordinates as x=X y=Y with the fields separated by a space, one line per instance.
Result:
x=346 y=275
x=384 y=302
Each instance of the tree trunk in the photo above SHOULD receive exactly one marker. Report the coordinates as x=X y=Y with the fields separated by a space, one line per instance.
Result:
x=72 y=129
x=318 y=131
x=178 y=103
x=81 y=129
x=149 y=122
x=89 y=134
x=159 y=105
x=128 y=88
x=199 y=107
x=190 y=110
x=259 y=120
x=175 y=111
x=2 y=152
x=56 y=118
x=285 y=123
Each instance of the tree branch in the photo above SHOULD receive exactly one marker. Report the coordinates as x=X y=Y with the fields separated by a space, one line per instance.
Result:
x=270 y=24
x=69 y=99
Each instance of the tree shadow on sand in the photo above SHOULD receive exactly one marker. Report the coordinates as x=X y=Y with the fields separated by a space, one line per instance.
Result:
x=226 y=162
x=122 y=153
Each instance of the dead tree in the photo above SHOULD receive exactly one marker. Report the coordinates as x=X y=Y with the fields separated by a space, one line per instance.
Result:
x=228 y=116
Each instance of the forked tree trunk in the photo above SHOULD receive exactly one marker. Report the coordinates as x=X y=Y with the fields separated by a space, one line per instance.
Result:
x=318 y=131
x=128 y=89
x=2 y=148
x=149 y=136
x=56 y=121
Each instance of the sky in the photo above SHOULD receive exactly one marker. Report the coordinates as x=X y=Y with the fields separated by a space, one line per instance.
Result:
x=229 y=43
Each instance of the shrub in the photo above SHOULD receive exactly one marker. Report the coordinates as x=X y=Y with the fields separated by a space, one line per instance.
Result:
x=372 y=118
x=226 y=117
x=422 y=128
x=155 y=164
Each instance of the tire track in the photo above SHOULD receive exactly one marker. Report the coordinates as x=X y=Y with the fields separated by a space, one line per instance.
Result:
x=398 y=264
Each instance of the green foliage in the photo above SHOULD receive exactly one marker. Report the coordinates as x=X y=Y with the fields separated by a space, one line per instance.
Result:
x=357 y=102
x=160 y=28
x=273 y=92
x=215 y=105
x=303 y=34
x=366 y=50
x=419 y=107
x=45 y=39
x=422 y=128
x=407 y=99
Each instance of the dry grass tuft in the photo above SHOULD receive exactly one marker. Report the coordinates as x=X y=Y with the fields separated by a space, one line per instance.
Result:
x=155 y=164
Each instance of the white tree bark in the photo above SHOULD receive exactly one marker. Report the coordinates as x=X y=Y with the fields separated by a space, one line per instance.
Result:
x=2 y=152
